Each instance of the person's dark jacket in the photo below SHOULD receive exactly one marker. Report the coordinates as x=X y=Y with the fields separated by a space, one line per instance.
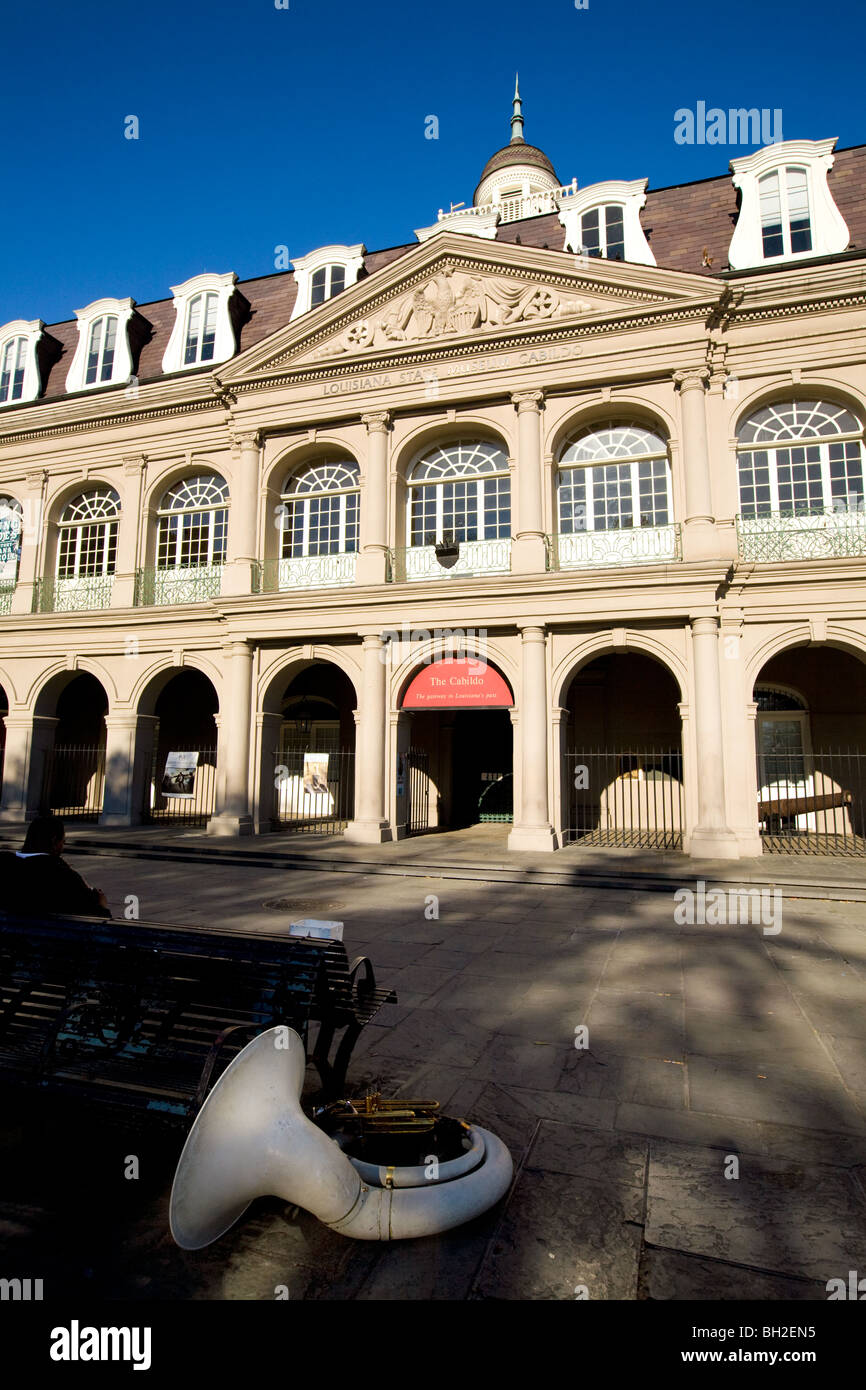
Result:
x=45 y=883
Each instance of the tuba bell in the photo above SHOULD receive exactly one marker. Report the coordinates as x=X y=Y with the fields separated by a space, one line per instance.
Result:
x=252 y=1139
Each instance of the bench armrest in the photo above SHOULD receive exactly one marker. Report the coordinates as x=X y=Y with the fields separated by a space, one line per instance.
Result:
x=216 y=1047
x=368 y=983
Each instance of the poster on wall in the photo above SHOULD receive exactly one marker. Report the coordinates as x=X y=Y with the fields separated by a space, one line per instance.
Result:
x=179 y=777
x=316 y=773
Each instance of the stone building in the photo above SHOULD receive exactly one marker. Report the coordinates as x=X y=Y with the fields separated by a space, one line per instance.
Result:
x=553 y=516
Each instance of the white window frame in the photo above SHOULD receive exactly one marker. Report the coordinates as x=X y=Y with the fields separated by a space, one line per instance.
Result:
x=630 y=461
x=121 y=370
x=629 y=195
x=440 y=483
x=99 y=519
x=351 y=258
x=804 y=441
x=294 y=497
x=830 y=234
x=31 y=331
x=209 y=509
x=225 y=344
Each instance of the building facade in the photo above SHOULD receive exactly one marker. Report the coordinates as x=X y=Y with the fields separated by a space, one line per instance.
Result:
x=554 y=516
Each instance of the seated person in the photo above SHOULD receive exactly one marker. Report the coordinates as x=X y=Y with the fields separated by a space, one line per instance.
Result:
x=37 y=879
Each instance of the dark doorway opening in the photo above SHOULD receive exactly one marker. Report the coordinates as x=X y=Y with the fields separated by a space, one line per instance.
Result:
x=466 y=756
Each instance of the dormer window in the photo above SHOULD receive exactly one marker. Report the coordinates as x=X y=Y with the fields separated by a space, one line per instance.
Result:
x=787 y=210
x=325 y=273
x=102 y=355
x=602 y=232
x=19 y=370
x=326 y=282
x=203 y=329
x=785 y=226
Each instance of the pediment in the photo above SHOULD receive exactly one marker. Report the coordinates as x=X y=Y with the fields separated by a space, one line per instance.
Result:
x=443 y=296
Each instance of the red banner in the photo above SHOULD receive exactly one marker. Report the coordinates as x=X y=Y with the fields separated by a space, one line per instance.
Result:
x=457 y=684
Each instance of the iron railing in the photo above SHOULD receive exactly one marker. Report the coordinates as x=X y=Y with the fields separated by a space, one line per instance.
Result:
x=191 y=803
x=73 y=781
x=320 y=803
x=624 y=797
x=813 y=803
x=634 y=545
x=806 y=536
x=475 y=557
x=7 y=589
x=79 y=595
x=187 y=584
x=309 y=572
x=418 y=764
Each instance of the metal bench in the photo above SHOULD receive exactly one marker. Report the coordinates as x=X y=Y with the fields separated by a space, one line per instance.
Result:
x=146 y=1016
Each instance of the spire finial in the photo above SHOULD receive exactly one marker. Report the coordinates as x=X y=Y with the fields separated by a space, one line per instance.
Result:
x=517 y=116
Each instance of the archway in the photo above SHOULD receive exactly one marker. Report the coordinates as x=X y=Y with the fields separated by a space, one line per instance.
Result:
x=622 y=773
x=308 y=750
x=810 y=742
x=71 y=710
x=177 y=748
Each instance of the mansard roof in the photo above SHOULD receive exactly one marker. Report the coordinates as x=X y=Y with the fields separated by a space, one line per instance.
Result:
x=688 y=226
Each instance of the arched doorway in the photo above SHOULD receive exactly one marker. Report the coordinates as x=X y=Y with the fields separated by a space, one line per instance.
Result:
x=308 y=755
x=622 y=776
x=810 y=737
x=455 y=754
x=73 y=767
x=178 y=747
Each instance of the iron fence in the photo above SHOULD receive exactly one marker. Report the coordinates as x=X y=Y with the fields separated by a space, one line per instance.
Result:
x=181 y=798
x=624 y=797
x=318 y=798
x=813 y=803
x=418 y=763
x=73 y=781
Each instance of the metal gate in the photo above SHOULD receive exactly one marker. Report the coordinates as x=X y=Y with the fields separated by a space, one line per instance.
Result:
x=181 y=799
x=813 y=803
x=418 y=760
x=73 y=781
x=318 y=799
x=624 y=797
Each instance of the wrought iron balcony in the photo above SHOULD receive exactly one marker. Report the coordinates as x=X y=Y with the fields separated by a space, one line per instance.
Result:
x=309 y=572
x=79 y=595
x=7 y=589
x=805 y=536
x=189 y=584
x=636 y=545
x=420 y=562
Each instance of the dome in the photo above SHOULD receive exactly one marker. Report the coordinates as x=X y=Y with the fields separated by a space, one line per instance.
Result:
x=518 y=153
x=529 y=159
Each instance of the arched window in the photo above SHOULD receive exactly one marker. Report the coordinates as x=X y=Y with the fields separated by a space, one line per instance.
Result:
x=87 y=541
x=327 y=281
x=11 y=525
x=100 y=350
x=193 y=521
x=460 y=492
x=614 y=477
x=786 y=228
x=13 y=361
x=602 y=232
x=320 y=511
x=782 y=735
x=201 y=324
x=822 y=472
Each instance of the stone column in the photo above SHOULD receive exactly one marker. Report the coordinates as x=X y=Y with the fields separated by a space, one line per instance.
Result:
x=268 y=727
x=699 y=531
x=528 y=549
x=28 y=739
x=33 y=507
x=712 y=838
x=242 y=559
x=532 y=827
x=128 y=764
x=370 y=826
x=129 y=534
x=372 y=561
x=235 y=732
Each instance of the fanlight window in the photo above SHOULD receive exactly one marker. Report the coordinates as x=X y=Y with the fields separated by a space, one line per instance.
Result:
x=201 y=323
x=88 y=535
x=100 y=350
x=602 y=232
x=784 y=200
x=11 y=525
x=613 y=478
x=193 y=522
x=822 y=473
x=12 y=364
x=327 y=281
x=461 y=491
x=320 y=511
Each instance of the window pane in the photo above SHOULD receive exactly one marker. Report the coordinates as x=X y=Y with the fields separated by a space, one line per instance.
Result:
x=209 y=336
x=319 y=291
x=771 y=215
x=614 y=234
x=589 y=232
x=798 y=210
x=338 y=279
x=192 y=331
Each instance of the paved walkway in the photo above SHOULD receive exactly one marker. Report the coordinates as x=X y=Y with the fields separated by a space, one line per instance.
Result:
x=710 y=1049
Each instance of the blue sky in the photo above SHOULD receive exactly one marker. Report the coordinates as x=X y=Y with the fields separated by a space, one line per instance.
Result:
x=262 y=127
